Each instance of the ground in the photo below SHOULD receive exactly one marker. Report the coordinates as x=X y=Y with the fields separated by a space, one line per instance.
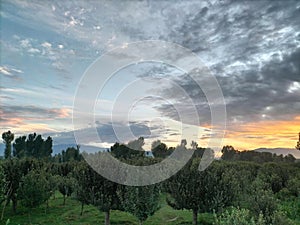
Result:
x=69 y=214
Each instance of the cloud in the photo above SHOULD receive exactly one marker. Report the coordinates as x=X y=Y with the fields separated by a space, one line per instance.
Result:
x=28 y=118
x=11 y=72
x=34 y=113
x=252 y=47
x=46 y=45
x=255 y=61
x=33 y=50
x=25 y=43
x=108 y=134
x=4 y=71
x=271 y=133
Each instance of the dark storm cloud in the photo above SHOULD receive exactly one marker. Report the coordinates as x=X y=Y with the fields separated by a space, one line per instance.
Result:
x=252 y=47
x=265 y=93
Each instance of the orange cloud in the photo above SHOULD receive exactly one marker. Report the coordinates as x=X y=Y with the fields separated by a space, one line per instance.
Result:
x=28 y=123
x=61 y=113
x=263 y=134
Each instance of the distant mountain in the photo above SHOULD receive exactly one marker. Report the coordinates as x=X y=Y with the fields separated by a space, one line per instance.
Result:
x=2 y=147
x=59 y=147
x=279 y=151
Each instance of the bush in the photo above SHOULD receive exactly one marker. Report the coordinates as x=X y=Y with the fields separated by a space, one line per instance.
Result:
x=235 y=216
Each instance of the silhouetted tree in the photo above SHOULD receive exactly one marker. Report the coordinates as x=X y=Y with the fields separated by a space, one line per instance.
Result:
x=7 y=137
x=228 y=152
x=160 y=150
x=183 y=143
x=122 y=151
x=19 y=147
x=137 y=144
x=48 y=147
x=38 y=149
x=194 y=145
x=30 y=145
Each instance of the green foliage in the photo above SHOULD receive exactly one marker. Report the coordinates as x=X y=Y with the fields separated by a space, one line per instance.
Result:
x=53 y=183
x=262 y=200
x=185 y=189
x=293 y=186
x=71 y=154
x=218 y=190
x=200 y=191
x=228 y=152
x=275 y=175
x=96 y=190
x=160 y=150
x=266 y=193
x=122 y=151
x=33 y=189
x=2 y=185
x=236 y=216
x=279 y=218
x=12 y=174
x=291 y=207
x=141 y=202
x=239 y=177
x=83 y=188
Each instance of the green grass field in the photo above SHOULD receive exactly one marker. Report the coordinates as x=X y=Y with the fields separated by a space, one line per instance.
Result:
x=59 y=214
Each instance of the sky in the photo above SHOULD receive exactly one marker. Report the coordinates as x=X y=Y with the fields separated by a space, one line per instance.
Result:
x=251 y=47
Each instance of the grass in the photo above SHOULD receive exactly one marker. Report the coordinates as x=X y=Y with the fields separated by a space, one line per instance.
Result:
x=69 y=214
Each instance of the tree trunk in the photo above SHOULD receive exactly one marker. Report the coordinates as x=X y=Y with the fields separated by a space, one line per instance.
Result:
x=14 y=205
x=4 y=206
x=82 y=204
x=141 y=222
x=107 y=218
x=195 y=216
x=64 y=199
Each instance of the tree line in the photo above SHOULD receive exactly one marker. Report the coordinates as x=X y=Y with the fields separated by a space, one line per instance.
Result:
x=241 y=191
x=231 y=154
